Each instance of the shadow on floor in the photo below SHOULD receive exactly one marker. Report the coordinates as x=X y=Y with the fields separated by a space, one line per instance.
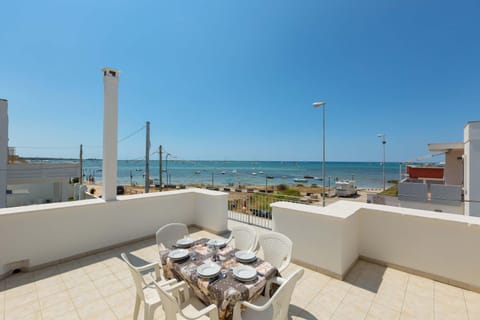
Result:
x=367 y=276
x=299 y=313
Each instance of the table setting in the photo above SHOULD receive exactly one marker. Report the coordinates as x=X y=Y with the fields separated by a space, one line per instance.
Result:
x=216 y=272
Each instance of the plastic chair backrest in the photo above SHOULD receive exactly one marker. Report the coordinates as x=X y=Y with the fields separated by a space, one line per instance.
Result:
x=136 y=275
x=245 y=237
x=168 y=235
x=169 y=304
x=277 y=249
x=283 y=295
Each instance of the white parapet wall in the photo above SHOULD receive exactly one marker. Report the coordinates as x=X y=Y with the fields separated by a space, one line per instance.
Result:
x=41 y=234
x=437 y=245
x=321 y=238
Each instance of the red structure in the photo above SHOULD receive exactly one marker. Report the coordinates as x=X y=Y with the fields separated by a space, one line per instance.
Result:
x=425 y=172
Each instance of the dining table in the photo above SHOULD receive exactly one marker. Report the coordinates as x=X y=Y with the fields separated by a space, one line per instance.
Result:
x=223 y=290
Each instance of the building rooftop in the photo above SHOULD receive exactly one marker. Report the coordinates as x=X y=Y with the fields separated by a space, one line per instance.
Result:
x=445 y=146
x=99 y=286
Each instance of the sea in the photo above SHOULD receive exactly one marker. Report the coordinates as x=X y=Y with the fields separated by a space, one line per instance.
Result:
x=233 y=173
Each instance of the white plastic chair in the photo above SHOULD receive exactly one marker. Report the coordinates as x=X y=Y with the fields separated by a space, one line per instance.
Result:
x=190 y=308
x=168 y=235
x=146 y=291
x=277 y=249
x=275 y=308
x=245 y=238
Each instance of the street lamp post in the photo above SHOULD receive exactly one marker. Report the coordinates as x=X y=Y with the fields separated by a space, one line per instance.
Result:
x=384 y=142
x=166 y=165
x=322 y=105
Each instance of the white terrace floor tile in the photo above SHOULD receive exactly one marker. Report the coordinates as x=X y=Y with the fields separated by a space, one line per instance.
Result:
x=472 y=300
x=99 y=286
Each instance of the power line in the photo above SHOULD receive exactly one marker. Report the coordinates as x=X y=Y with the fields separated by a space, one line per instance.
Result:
x=76 y=147
x=132 y=134
x=37 y=147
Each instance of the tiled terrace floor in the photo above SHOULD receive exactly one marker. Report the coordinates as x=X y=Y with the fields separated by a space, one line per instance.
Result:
x=99 y=287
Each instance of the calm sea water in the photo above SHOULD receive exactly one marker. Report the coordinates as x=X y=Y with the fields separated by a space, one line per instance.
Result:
x=366 y=174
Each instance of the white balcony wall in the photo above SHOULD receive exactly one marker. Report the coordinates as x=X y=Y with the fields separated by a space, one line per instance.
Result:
x=50 y=232
x=453 y=174
x=438 y=245
x=441 y=245
x=322 y=238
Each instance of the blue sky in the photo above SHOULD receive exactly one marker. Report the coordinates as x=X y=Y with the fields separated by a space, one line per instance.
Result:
x=235 y=79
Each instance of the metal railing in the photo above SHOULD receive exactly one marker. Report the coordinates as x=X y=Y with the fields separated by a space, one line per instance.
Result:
x=254 y=208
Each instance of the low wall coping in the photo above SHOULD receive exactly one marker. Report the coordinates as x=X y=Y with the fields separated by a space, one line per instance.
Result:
x=343 y=209
x=88 y=202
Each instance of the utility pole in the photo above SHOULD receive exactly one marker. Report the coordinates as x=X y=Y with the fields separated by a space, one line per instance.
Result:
x=81 y=164
x=329 y=185
x=384 y=141
x=147 y=159
x=160 y=166
x=166 y=166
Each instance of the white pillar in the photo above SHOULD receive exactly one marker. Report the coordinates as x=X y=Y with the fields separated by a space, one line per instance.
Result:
x=110 y=133
x=472 y=168
x=3 y=151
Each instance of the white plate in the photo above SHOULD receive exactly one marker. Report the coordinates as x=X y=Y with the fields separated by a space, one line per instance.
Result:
x=208 y=270
x=185 y=242
x=217 y=242
x=245 y=256
x=178 y=254
x=244 y=273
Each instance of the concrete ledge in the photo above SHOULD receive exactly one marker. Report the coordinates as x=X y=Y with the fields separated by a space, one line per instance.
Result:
x=440 y=246
x=44 y=233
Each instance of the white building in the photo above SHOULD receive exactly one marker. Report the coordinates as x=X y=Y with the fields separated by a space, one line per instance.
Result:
x=23 y=183
x=34 y=183
x=458 y=190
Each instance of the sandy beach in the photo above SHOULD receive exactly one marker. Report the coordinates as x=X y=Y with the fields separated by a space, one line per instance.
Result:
x=307 y=193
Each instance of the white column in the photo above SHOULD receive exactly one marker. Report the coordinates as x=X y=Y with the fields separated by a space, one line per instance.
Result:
x=110 y=133
x=3 y=151
x=472 y=168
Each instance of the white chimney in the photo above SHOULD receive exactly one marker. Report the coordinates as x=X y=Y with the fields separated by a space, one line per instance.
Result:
x=110 y=133
x=3 y=151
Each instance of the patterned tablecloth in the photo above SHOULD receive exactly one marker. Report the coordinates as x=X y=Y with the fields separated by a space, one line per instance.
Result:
x=224 y=290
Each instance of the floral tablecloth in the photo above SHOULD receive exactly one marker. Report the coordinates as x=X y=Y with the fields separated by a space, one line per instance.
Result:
x=224 y=290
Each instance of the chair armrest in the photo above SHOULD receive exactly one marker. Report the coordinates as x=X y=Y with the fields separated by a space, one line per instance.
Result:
x=155 y=266
x=164 y=283
x=147 y=266
x=255 y=307
x=175 y=290
x=211 y=310
x=268 y=285
x=278 y=280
